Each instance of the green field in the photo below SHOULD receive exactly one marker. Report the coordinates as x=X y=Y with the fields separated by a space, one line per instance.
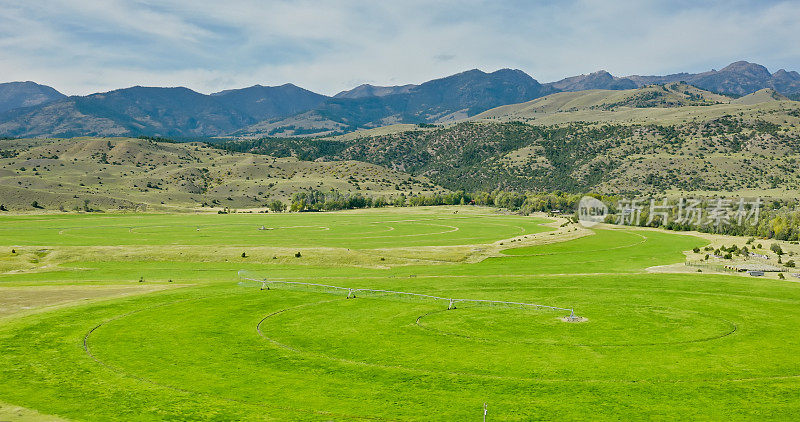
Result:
x=82 y=338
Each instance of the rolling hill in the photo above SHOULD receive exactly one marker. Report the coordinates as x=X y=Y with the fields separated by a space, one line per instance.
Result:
x=662 y=104
x=660 y=138
x=140 y=174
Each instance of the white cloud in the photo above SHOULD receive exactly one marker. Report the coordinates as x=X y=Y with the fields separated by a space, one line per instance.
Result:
x=94 y=45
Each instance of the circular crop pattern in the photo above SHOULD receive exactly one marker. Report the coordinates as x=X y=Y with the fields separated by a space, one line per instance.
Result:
x=352 y=230
x=692 y=345
x=424 y=337
x=633 y=325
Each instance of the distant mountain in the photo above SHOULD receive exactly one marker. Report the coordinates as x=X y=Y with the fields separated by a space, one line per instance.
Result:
x=136 y=110
x=786 y=83
x=472 y=92
x=641 y=80
x=452 y=98
x=170 y=112
x=288 y=110
x=367 y=90
x=738 y=78
x=26 y=94
x=267 y=102
x=597 y=80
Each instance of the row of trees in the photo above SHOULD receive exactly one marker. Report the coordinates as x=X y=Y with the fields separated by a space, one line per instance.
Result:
x=781 y=224
x=315 y=200
x=778 y=219
x=526 y=203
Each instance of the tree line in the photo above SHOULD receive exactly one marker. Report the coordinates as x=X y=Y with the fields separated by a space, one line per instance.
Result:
x=778 y=218
x=525 y=203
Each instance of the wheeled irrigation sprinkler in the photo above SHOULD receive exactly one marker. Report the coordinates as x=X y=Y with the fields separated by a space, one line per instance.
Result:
x=352 y=293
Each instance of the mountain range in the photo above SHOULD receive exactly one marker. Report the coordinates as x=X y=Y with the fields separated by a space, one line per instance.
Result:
x=26 y=94
x=31 y=110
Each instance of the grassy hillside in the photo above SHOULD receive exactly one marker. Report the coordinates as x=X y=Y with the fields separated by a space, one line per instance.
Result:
x=126 y=173
x=674 y=103
x=674 y=138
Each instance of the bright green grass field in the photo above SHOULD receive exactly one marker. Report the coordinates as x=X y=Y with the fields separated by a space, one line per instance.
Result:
x=655 y=346
x=351 y=230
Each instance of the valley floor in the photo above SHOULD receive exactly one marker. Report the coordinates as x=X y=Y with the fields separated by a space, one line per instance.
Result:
x=147 y=317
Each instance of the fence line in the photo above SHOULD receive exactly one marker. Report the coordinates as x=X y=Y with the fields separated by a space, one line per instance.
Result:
x=353 y=292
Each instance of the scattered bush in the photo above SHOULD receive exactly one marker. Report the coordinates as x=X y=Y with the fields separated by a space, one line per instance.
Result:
x=776 y=248
x=244 y=255
x=297 y=255
x=789 y=264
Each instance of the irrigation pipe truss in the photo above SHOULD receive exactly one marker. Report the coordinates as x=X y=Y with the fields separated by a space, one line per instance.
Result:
x=353 y=292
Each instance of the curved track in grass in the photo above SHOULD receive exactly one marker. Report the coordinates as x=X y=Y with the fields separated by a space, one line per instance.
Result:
x=677 y=346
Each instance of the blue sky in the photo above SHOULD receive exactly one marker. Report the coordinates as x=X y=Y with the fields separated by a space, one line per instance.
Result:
x=84 y=46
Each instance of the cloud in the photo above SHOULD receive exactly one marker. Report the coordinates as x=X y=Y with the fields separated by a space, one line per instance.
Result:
x=92 y=45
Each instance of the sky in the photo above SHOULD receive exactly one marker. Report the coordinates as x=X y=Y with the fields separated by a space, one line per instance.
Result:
x=85 y=46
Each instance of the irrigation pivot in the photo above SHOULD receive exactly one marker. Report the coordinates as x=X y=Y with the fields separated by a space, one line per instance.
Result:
x=352 y=293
